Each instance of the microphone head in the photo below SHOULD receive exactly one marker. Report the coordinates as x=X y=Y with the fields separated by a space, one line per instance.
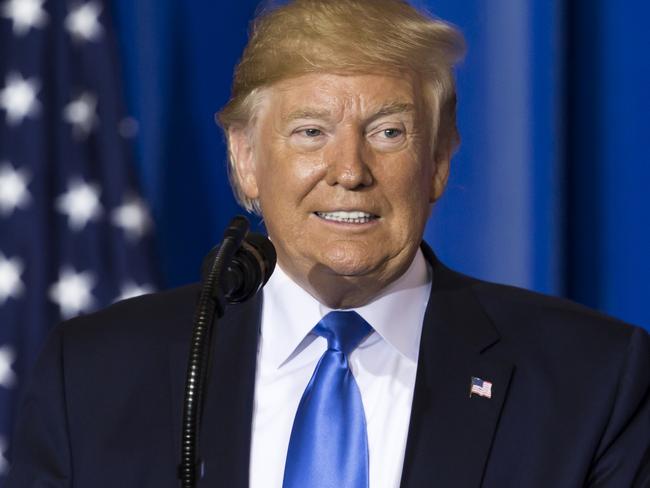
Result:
x=237 y=229
x=250 y=269
x=234 y=234
x=266 y=251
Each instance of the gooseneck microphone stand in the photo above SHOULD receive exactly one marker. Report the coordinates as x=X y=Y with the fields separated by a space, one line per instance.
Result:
x=233 y=272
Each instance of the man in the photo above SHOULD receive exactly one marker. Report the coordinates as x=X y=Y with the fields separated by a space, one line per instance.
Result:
x=365 y=362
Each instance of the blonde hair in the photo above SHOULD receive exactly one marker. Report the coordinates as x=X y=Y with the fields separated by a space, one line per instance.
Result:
x=350 y=37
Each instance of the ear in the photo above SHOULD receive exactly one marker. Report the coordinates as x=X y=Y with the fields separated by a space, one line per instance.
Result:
x=440 y=173
x=243 y=159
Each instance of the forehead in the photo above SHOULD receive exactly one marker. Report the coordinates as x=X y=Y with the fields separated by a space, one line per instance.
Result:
x=322 y=94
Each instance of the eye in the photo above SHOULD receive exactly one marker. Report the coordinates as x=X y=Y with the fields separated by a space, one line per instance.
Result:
x=309 y=137
x=388 y=136
x=311 y=132
x=392 y=133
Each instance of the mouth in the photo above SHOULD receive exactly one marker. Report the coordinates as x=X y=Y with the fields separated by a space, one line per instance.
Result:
x=347 y=216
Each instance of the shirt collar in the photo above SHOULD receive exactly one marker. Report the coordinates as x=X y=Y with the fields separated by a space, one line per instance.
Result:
x=289 y=312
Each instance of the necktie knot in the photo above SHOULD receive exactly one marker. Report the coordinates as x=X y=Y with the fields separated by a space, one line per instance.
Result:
x=343 y=330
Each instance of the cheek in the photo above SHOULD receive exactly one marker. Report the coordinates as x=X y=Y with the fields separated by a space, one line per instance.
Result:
x=288 y=177
x=407 y=177
x=307 y=170
x=407 y=189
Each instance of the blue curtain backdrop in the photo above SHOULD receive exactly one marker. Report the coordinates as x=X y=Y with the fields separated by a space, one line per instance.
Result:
x=549 y=188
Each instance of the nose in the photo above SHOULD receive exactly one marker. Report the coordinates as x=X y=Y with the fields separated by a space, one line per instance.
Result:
x=348 y=162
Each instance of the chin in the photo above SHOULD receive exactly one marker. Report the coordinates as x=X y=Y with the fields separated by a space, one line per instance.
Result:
x=348 y=271
x=349 y=264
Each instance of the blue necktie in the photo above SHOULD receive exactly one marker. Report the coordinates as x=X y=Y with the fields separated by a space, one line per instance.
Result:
x=329 y=442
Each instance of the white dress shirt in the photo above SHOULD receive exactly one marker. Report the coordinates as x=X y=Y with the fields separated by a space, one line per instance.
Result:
x=384 y=366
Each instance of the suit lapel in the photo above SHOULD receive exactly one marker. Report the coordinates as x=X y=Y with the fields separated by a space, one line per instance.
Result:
x=227 y=418
x=451 y=433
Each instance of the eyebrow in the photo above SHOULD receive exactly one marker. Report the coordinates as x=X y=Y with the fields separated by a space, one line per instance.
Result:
x=307 y=113
x=393 y=108
x=389 y=108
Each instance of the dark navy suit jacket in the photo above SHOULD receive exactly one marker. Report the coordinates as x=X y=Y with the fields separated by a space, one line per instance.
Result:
x=570 y=402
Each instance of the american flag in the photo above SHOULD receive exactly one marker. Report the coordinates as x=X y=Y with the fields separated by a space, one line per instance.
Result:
x=480 y=387
x=74 y=233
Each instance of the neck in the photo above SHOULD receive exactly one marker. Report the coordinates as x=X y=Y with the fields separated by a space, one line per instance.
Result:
x=343 y=292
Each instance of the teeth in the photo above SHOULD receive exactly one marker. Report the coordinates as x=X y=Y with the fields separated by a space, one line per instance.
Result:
x=354 y=217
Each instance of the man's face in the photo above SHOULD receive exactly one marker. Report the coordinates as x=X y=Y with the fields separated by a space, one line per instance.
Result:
x=343 y=171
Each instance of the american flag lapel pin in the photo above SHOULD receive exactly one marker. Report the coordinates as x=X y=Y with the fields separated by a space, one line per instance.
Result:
x=480 y=387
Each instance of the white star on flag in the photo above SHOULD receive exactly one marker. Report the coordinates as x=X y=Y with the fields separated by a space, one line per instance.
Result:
x=72 y=292
x=18 y=98
x=7 y=375
x=13 y=188
x=24 y=14
x=131 y=290
x=133 y=217
x=80 y=203
x=4 y=464
x=83 y=22
x=10 y=283
x=80 y=113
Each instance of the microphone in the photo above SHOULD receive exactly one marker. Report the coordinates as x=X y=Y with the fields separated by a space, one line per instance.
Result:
x=249 y=269
x=232 y=272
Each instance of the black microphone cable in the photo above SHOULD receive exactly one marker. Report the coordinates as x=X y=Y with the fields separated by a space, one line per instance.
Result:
x=231 y=273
